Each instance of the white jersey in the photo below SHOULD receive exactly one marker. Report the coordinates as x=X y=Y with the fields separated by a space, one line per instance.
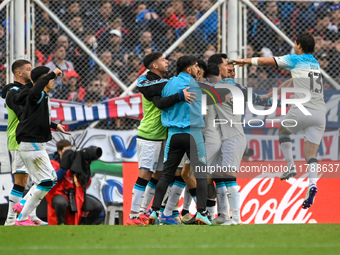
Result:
x=234 y=126
x=306 y=74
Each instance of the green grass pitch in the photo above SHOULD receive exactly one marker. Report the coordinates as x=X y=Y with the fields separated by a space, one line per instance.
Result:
x=246 y=239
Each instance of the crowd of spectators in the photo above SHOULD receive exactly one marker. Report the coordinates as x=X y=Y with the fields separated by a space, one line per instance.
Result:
x=121 y=32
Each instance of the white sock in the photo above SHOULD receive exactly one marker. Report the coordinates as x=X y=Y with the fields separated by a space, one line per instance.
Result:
x=287 y=151
x=187 y=199
x=235 y=201
x=222 y=199
x=137 y=199
x=165 y=198
x=32 y=202
x=148 y=196
x=14 y=197
x=211 y=209
x=174 y=195
x=313 y=173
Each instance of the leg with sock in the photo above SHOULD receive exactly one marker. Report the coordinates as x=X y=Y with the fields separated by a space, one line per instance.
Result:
x=14 y=197
x=174 y=195
x=222 y=201
x=137 y=197
x=149 y=195
x=34 y=200
x=234 y=199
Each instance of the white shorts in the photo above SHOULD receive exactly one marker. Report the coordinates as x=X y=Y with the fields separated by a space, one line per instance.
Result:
x=37 y=162
x=18 y=167
x=149 y=153
x=232 y=151
x=313 y=125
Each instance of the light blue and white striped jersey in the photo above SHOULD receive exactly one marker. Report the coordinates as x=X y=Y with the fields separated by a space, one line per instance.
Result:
x=306 y=74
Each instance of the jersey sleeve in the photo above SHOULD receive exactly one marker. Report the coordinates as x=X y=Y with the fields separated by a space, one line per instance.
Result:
x=152 y=91
x=287 y=62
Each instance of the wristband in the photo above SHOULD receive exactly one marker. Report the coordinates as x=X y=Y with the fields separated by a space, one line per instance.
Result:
x=255 y=61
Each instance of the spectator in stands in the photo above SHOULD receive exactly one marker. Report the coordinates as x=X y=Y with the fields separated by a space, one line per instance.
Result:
x=323 y=59
x=43 y=47
x=172 y=65
x=148 y=20
x=195 y=6
x=98 y=87
x=169 y=38
x=125 y=9
x=70 y=88
x=280 y=47
x=60 y=204
x=92 y=97
x=76 y=26
x=298 y=17
x=145 y=42
x=209 y=26
x=101 y=19
x=115 y=23
x=174 y=14
x=83 y=63
x=43 y=20
x=132 y=66
x=117 y=50
x=321 y=28
x=60 y=62
x=262 y=35
x=64 y=41
x=112 y=89
x=207 y=54
x=195 y=42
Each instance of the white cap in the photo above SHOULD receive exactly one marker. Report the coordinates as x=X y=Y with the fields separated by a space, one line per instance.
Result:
x=116 y=32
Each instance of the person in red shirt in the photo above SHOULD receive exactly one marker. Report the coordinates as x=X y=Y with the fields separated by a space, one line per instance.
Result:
x=66 y=203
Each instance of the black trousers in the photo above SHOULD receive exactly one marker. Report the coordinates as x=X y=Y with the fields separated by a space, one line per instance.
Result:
x=60 y=205
x=180 y=144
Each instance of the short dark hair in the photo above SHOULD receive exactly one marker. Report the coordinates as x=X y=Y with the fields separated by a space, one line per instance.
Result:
x=217 y=58
x=18 y=64
x=212 y=70
x=63 y=143
x=150 y=58
x=184 y=62
x=307 y=42
x=203 y=65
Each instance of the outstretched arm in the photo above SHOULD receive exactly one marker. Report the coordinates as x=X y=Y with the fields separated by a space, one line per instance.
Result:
x=261 y=61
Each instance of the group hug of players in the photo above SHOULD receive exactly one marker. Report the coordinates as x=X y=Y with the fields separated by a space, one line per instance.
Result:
x=176 y=143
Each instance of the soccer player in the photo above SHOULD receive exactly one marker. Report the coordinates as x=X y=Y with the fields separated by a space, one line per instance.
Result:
x=184 y=122
x=232 y=140
x=151 y=133
x=32 y=133
x=305 y=70
x=22 y=72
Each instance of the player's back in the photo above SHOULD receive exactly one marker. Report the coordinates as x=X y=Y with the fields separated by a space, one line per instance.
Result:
x=306 y=73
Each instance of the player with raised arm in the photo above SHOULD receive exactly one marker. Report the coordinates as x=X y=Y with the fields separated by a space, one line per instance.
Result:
x=306 y=74
x=32 y=133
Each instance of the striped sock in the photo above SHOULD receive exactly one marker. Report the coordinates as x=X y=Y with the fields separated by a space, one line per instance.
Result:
x=137 y=196
x=14 y=197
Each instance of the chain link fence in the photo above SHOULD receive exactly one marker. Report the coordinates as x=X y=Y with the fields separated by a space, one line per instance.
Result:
x=121 y=32
x=322 y=19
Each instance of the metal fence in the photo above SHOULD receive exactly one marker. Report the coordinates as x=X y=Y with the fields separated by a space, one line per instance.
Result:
x=121 y=32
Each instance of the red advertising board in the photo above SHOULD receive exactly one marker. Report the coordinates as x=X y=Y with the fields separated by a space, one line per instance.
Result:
x=267 y=199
